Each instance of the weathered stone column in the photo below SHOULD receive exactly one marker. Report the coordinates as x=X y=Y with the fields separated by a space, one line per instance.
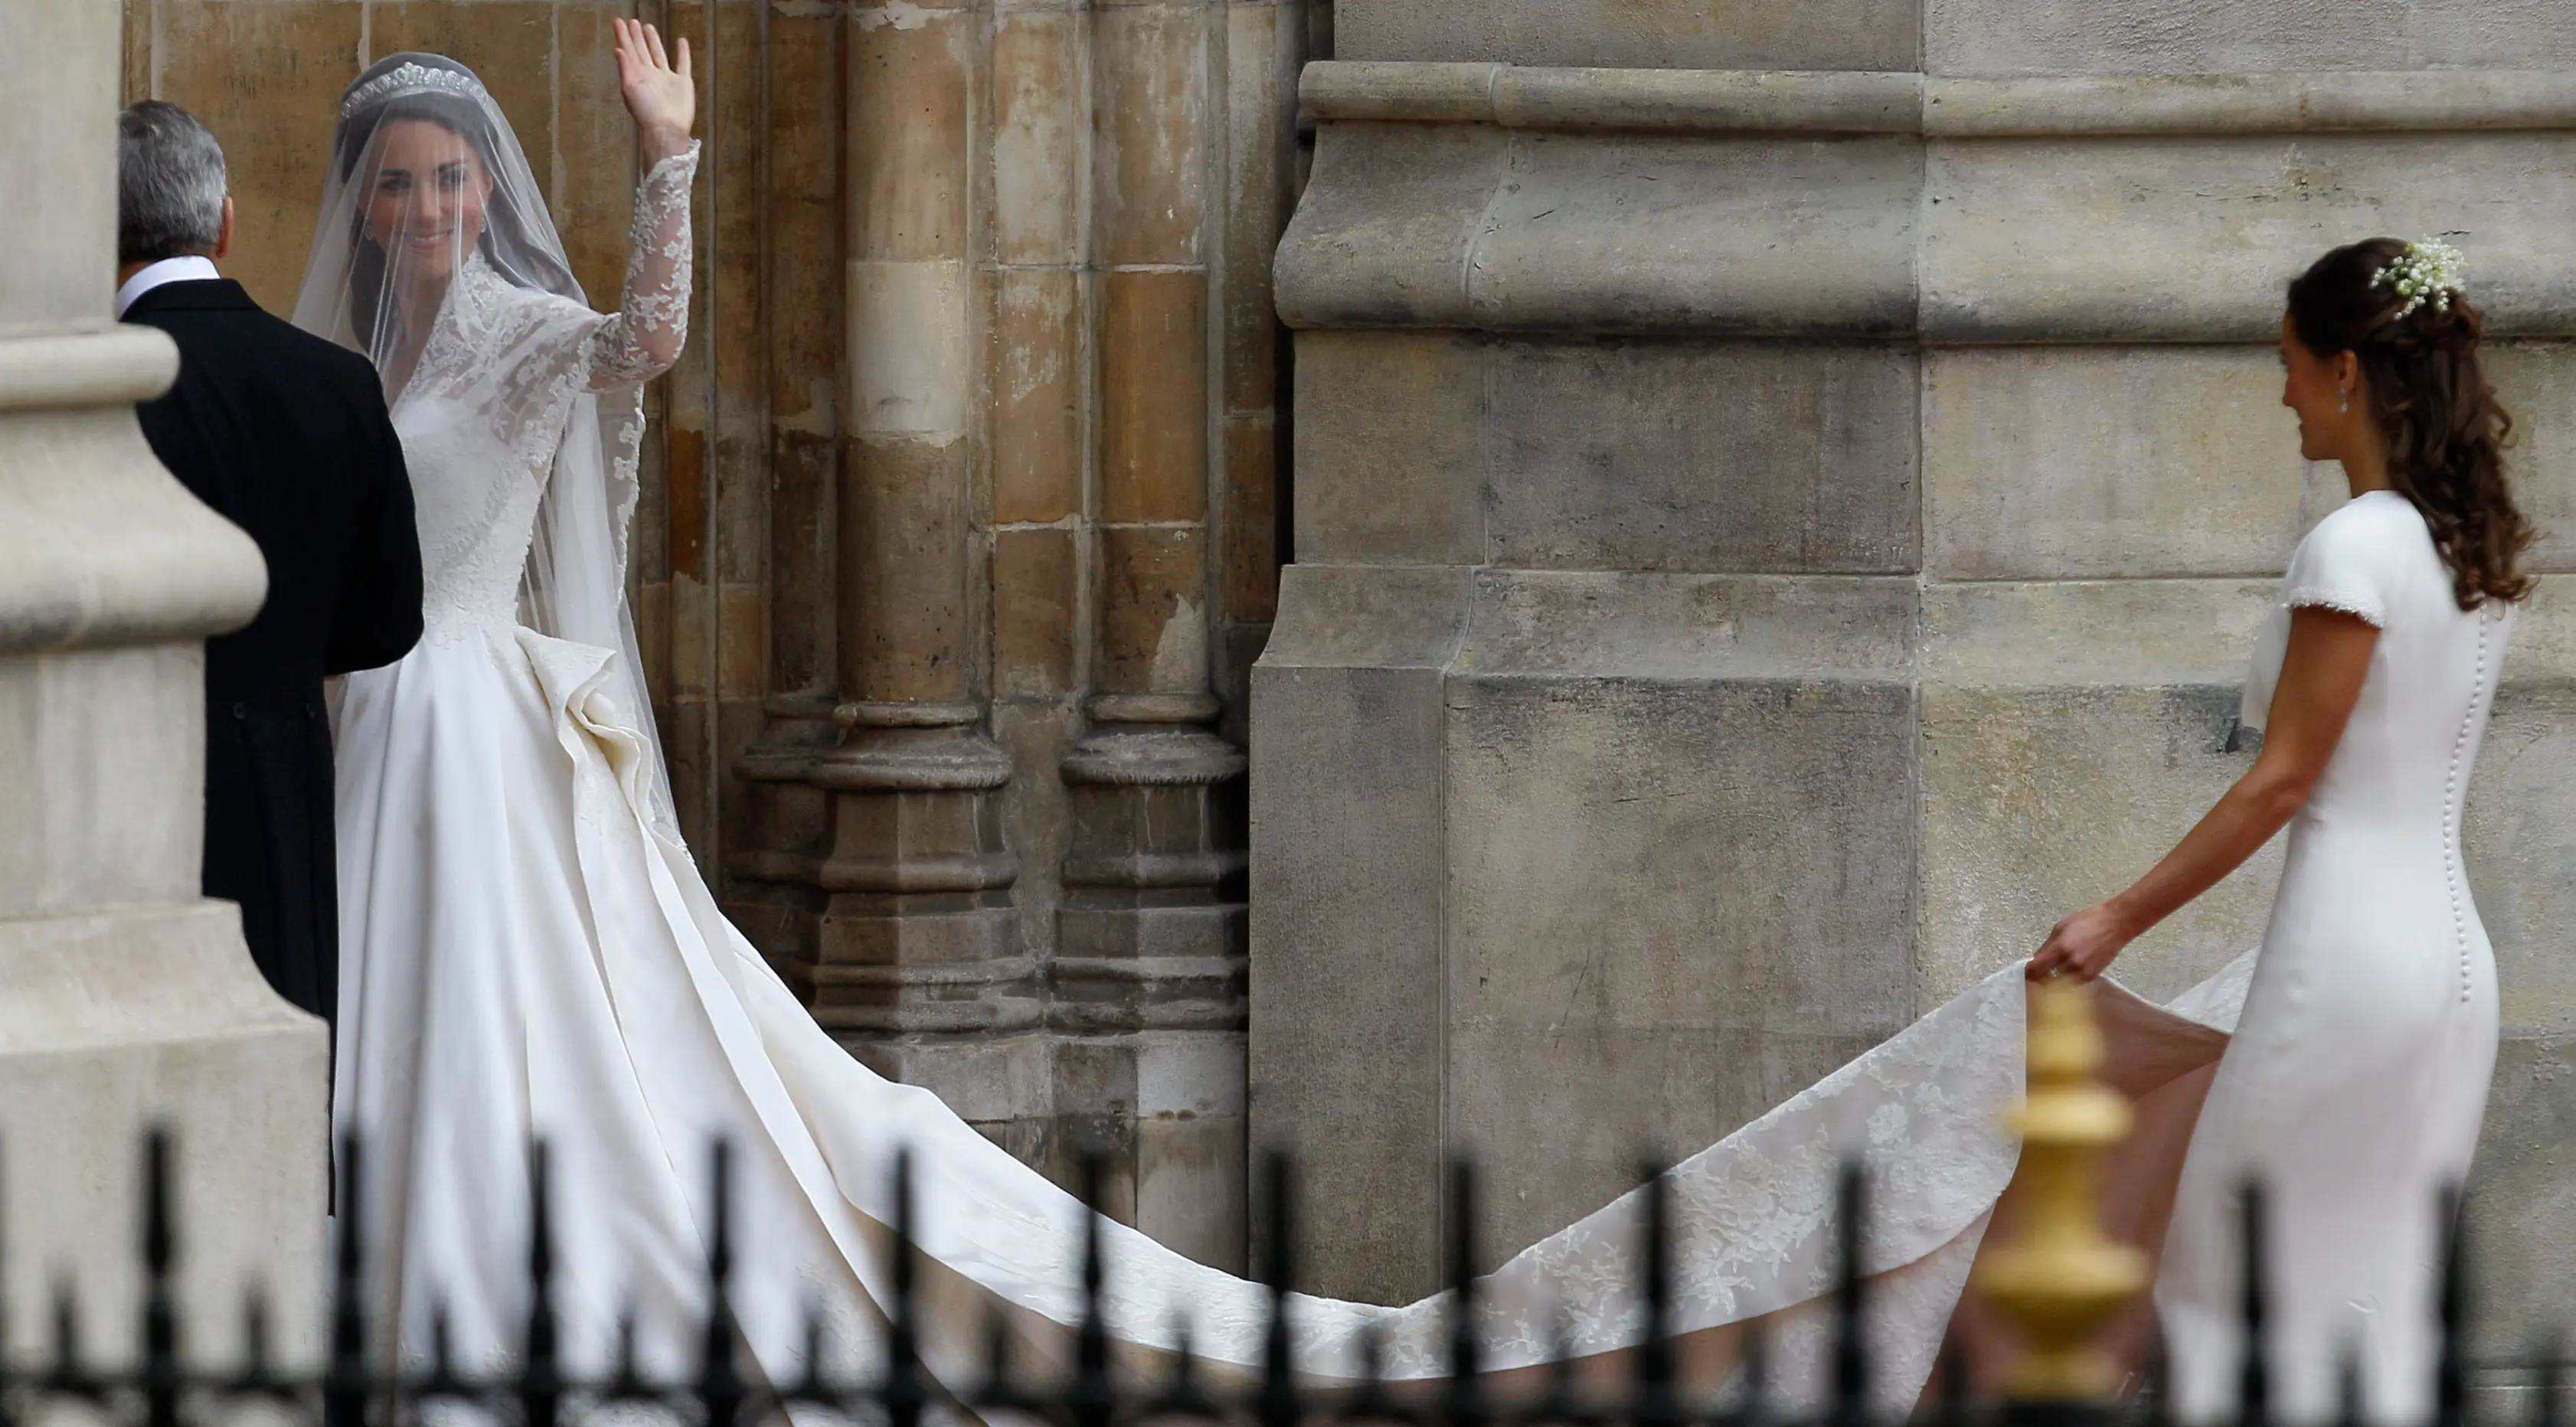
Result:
x=920 y=962
x=777 y=888
x=1148 y=974
x=128 y=998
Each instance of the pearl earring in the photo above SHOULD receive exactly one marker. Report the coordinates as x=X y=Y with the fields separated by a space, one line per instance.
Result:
x=2343 y=401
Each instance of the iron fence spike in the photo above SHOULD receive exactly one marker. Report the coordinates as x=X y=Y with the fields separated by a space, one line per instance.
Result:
x=2450 y=1371
x=2254 y=1385
x=1851 y=1341
x=1091 y=1401
x=904 y=1390
x=1276 y=1399
x=721 y=1391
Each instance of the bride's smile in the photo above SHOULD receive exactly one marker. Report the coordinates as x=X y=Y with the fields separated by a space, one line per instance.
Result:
x=429 y=198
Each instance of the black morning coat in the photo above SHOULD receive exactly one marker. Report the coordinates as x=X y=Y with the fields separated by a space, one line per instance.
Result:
x=285 y=435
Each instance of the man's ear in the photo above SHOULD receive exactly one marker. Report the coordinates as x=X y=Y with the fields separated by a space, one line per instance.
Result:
x=224 y=235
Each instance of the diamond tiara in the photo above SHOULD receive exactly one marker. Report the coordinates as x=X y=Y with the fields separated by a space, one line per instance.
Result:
x=408 y=78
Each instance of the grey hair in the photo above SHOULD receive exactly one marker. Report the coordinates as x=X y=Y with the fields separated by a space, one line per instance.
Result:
x=169 y=184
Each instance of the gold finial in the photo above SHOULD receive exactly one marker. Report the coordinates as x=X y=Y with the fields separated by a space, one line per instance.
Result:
x=2065 y=1280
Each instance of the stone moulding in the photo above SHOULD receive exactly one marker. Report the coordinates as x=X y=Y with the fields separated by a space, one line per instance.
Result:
x=76 y=464
x=83 y=369
x=1713 y=101
x=1821 y=206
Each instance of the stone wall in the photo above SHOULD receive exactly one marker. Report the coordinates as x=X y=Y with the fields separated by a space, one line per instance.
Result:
x=1768 y=544
x=963 y=518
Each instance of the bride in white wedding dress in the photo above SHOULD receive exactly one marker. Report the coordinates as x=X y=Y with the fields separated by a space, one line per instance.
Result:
x=531 y=952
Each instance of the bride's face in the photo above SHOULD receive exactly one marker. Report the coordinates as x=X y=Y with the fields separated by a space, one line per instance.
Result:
x=426 y=208
x=2323 y=392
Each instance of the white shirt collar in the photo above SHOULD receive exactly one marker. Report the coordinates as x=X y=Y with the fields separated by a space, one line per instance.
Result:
x=191 y=268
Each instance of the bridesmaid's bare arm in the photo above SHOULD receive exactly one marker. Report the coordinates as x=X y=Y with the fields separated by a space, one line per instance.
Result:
x=2321 y=677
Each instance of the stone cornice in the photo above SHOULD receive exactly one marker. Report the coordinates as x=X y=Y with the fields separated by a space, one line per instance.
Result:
x=1877 y=102
x=1807 y=207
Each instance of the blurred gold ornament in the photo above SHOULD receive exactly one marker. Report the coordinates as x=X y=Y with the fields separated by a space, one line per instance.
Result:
x=2064 y=1280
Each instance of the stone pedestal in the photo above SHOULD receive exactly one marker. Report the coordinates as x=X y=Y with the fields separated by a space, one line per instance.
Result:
x=1148 y=977
x=1774 y=536
x=128 y=999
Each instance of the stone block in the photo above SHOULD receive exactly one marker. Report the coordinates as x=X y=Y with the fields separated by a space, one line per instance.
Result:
x=1153 y=601
x=1037 y=612
x=2522 y=1201
x=1670 y=904
x=2252 y=210
x=2070 y=633
x=1348 y=715
x=988 y=1082
x=266 y=79
x=910 y=115
x=1390 y=448
x=1346 y=966
x=1149 y=133
x=1190 y=1154
x=1037 y=98
x=2537 y=383
x=903 y=596
x=742 y=641
x=2040 y=801
x=88 y=738
x=113 y=1023
x=1470 y=226
x=1034 y=382
x=1832 y=34
x=1250 y=554
x=1649 y=456
x=909 y=355
x=593 y=183
x=1627 y=625
x=1153 y=396
x=2009 y=37
x=1264 y=47
x=2106 y=462
x=2519 y=843
x=801 y=633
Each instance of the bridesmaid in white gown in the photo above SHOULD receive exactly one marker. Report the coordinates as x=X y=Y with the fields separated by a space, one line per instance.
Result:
x=530 y=950
x=2358 y=1076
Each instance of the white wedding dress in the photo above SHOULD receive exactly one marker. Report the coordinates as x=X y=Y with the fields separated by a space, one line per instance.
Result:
x=531 y=952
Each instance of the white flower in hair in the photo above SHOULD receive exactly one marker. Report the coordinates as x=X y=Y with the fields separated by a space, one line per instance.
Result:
x=2428 y=271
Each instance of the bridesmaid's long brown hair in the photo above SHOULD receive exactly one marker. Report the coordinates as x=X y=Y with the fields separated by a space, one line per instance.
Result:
x=2446 y=431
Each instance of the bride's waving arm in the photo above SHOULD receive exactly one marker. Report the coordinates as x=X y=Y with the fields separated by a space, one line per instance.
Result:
x=643 y=339
x=2321 y=678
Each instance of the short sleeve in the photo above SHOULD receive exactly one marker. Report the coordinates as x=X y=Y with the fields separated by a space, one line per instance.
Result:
x=2344 y=564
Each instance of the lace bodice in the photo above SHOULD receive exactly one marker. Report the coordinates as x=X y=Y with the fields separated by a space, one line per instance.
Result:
x=503 y=372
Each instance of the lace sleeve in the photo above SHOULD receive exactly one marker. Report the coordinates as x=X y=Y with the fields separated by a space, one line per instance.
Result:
x=643 y=339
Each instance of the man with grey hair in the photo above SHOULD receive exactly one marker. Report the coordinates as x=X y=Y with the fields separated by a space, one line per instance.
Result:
x=287 y=436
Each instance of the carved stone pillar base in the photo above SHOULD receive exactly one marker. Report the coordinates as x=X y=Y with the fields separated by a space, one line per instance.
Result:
x=774 y=890
x=1149 y=979
x=919 y=934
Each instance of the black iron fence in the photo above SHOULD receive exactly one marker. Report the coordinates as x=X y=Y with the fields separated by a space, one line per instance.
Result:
x=354 y=1387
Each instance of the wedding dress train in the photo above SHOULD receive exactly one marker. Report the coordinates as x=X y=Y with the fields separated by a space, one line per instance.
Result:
x=532 y=953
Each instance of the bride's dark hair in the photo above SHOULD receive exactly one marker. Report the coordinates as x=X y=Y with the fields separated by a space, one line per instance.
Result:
x=2446 y=431
x=506 y=241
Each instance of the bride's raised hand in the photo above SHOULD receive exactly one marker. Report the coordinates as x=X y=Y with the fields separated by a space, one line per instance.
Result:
x=662 y=97
x=2083 y=945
